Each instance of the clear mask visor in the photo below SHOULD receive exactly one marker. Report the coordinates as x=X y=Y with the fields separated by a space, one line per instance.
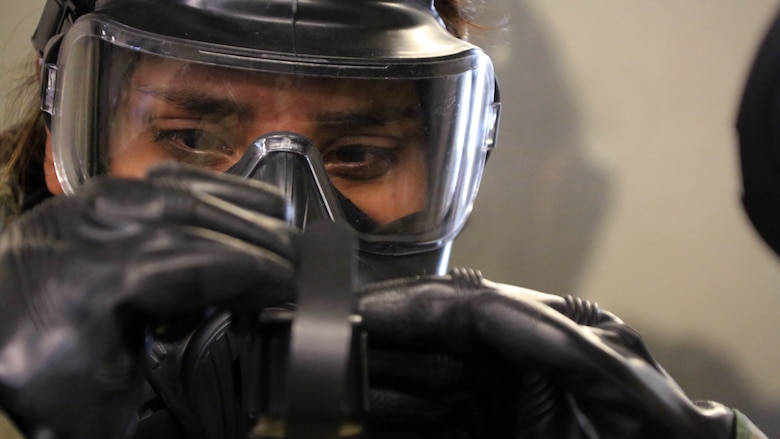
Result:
x=398 y=157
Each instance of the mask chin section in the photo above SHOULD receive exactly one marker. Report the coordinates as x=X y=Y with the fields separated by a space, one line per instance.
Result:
x=374 y=267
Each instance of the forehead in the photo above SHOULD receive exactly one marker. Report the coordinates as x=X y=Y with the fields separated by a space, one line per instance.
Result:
x=168 y=74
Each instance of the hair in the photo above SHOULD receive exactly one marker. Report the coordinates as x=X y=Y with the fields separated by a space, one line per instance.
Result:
x=456 y=15
x=22 y=147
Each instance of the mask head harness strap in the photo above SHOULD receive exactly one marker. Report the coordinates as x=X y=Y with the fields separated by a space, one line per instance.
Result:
x=57 y=17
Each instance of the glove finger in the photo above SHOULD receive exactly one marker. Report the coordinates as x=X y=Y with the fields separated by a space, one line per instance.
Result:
x=248 y=194
x=115 y=207
x=396 y=406
x=416 y=315
x=201 y=270
x=438 y=371
x=418 y=370
x=438 y=314
x=449 y=414
x=529 y=331
x=604 y=368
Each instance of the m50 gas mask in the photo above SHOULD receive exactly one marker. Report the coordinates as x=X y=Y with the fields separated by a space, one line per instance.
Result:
x=386 y=117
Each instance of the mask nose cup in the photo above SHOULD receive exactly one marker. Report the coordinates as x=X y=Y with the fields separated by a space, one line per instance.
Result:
x=292 y=164
x=290 y=173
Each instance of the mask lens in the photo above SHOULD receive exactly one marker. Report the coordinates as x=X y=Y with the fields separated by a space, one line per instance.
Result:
x=405 y=153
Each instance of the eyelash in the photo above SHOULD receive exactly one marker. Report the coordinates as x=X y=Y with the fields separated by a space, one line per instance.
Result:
x=349 y=161
x=180 y=147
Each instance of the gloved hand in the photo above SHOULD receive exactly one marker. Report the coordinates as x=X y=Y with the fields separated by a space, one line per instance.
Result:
x=459 y=356
x=83 y=280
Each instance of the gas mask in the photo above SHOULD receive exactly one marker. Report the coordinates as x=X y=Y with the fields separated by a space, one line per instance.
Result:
x=366 y=113
x=374 y=116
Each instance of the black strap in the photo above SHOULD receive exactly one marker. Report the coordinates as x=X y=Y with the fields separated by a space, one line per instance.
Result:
x=56 y=18
x=321 y=332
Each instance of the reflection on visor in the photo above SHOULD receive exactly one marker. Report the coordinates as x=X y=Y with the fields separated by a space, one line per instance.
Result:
x=404 y=154
x=292 y=164
x=369 y=132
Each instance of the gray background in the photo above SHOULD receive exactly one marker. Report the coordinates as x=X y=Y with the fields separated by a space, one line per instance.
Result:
x=616 y=177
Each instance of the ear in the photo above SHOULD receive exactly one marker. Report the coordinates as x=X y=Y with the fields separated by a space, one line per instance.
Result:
x=52 y=183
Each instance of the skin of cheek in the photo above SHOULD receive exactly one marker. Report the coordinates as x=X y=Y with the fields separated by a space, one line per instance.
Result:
x=397 y=194
x=131 y=154
x=52 y=183
x=385 y=205
x=131 y=168
x=122 y=162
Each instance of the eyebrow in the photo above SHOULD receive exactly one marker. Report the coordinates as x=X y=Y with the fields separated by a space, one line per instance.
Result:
x=371 y=117
x=197 y=101
x=201 y=103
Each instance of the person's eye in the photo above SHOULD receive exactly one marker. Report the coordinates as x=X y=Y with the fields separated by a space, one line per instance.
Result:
x=194 y=146
x=196 y=140
x=360 y=162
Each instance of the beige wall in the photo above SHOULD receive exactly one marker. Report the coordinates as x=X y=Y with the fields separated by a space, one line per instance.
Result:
x=17 y=22
x=616 y=179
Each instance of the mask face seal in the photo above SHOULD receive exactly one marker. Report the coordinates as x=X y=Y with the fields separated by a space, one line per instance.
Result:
x=395 y=148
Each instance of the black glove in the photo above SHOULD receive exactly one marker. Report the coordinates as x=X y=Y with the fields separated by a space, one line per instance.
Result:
x=83 y=280
x=459 y=356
